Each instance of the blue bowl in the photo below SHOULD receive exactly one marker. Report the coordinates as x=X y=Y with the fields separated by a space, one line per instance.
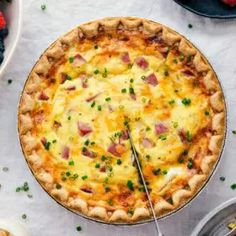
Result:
x=209 y=8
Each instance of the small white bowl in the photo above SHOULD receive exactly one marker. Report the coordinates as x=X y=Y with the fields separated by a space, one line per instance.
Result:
x=13 y=15
x=13 y=227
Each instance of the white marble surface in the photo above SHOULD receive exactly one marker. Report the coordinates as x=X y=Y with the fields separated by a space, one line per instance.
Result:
x=217 y=40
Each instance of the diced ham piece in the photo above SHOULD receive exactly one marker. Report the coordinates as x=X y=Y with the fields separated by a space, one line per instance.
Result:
x=43 y=96
x=116 y=149
x=147 y=143
x=78 y=60
x=151 y=79
x=110 y=108
x=63 y=77
x=163 y=50
x=124 y=136
x=133 y=96
x=43 y=140
x=103 y=169
x=160 y=128
x=125 y=58
x=88 y=153
x=84 y=128
x=65 y=153
x=71 y=88
x=191 y=172
x=90 y=99
x=188 y=72
x=56 y=124
x=112 y=150
x=83 y=83
x=141 y=62
x=182 y=135
x=86 y=189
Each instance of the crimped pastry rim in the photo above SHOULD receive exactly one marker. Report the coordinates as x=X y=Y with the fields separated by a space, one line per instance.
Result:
x=203 y=184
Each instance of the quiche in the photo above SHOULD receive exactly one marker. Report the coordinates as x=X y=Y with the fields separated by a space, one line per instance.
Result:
x=85 y=89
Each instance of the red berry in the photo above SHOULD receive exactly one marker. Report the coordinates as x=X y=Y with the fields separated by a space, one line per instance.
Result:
x=231 y=3
x=2 y=21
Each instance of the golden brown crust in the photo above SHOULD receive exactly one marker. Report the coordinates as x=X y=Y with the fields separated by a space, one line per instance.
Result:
x=90 y=30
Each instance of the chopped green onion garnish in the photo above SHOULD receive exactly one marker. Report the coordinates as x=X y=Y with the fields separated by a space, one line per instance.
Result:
x=131 y=90
x=156 y=171
x=172 y=101
x=107 y=189
x=186 y=101
x=71 y=59
x=97 y=165
x=105 y=73
x=175 y=60
x=84 y=177
x=93 y=104
x=189 y=136
x=71 y=163
x=78 y=228
x=96 y=72
x=190 y=26
x=86 y=143
x=43 y=7
x=166 y=72
x=165 y=172
x=110 y=202
x=119 y=162
x=181 y=57
x=233 y=186
x=130 y=185
x=163 y=137
x=108 y=99
x=47 y=145
x=222 y=178
x=99 y=107
x=190 y=163
x=58 y=186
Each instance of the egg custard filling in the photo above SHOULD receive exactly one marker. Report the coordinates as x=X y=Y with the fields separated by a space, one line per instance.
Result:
x=92 y=83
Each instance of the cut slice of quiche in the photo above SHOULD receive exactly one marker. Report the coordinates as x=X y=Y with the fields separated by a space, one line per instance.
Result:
x=84 y=90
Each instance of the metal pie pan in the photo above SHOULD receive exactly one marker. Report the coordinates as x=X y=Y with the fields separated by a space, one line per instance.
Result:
x=144 y=221
x=215 y=222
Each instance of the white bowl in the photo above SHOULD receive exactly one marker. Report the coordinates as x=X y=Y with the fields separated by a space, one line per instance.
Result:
x=13 y=15
x=13 y=227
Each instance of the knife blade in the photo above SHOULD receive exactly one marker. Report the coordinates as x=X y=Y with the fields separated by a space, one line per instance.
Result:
x=136 y=159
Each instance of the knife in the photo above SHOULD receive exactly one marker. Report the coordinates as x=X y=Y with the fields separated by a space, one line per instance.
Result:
x=136 y=159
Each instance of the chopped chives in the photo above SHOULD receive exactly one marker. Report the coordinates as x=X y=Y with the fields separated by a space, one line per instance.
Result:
x=71 y=59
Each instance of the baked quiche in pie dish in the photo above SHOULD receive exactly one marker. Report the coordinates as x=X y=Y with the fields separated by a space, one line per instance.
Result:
x=86 y=88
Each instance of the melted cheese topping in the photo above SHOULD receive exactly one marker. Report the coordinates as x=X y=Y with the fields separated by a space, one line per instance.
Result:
x=98 y=88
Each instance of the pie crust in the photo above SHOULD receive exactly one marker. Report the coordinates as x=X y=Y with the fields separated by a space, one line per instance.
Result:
x=165 y=41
